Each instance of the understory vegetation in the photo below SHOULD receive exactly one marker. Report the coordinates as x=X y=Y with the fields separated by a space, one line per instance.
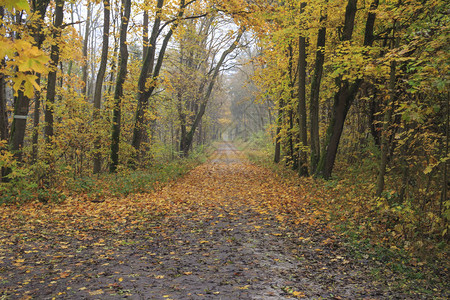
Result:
x=96 y=188
x=403 y=237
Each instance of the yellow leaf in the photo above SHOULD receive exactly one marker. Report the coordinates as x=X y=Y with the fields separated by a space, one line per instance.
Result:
x=97 y=292
x=298 y=294
x=245 y=287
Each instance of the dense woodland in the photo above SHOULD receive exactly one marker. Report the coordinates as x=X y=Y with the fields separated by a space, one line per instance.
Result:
x=344 y=90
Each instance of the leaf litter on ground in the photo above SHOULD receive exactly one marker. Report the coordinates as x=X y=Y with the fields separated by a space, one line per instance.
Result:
x=227 y=229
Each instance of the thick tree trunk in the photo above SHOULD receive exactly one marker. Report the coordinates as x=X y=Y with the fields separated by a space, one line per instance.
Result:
x=99 y=81
x=301 y=109
x=346 y=94
x=315 y=91
x=19 y=123
x=118 y=92
x=342 y=101
x=21 y=103
x=147 y=72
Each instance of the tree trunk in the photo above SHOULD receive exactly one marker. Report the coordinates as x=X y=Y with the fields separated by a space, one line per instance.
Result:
x=315 y=91
x=290 y=111
x=343 y=99
x=3 y=111
x=19 y=122
x=51 y=81
x=385 y=136
x=301 y=109
x=445 y=181
x=3 y=119
x=39 y=37
x=85 y=48
x=279 y=120
x=36 y=116
x=148 y=72
x=118 y=92
x=145 y=36
x=99 y=82
x=21 y=103
x=4 y=134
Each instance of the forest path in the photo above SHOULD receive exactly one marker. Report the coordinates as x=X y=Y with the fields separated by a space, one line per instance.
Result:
x=213 y=234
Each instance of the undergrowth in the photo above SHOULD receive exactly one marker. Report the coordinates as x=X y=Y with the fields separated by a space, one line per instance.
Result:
x=373 y=228
x=26 y=188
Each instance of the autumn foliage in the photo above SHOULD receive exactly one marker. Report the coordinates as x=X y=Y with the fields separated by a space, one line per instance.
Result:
x=101 y=102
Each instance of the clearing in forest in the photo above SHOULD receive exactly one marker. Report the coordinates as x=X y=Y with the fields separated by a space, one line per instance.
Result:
x=213 y=234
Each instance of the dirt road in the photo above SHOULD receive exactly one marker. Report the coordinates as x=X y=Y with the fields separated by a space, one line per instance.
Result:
x=220 y=239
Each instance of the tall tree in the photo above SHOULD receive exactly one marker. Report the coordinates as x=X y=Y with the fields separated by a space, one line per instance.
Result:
x=385 y=136
x=52 y=75
x=40 y=7
x=87 y=32
x=301 y=109
x=118 y=92
x=346 y=93
x=186 y=141
x=315 y=90
x=150 y=72
x=99 y=80
x=21 y=103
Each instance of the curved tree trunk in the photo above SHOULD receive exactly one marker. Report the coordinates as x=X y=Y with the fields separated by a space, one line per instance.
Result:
x=99 y=81
x=346 y=94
